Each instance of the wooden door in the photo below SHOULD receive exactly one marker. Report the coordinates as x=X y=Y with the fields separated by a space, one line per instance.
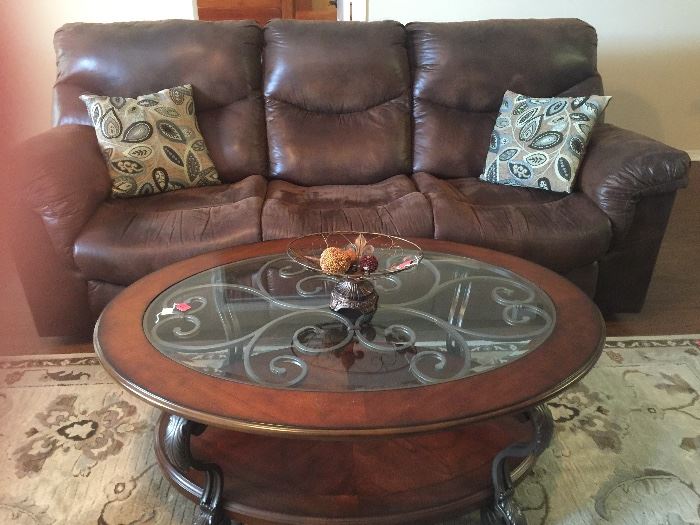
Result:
x=264 y=10
x=315 y=10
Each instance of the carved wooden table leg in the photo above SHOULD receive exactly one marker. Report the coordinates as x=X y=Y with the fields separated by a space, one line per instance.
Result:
x=505 y=511
x=176 y=446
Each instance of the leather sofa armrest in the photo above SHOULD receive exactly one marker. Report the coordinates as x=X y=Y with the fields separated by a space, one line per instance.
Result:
x=61 y=176
x=622 y=167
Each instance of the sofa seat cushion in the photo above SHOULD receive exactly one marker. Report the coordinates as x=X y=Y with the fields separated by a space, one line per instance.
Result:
x=559 y=231
x=393 y=206
x=127 y=239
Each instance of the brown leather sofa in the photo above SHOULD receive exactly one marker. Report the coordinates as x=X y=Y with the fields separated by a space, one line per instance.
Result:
x=323 y=126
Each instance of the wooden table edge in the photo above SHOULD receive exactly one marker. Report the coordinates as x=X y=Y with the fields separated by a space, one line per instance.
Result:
x=317 y=432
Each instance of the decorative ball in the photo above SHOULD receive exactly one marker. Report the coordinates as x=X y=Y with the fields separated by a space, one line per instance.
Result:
x=335 y=260
x=369 y=263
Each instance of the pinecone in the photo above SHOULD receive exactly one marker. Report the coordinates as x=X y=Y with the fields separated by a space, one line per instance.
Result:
x=335 y=260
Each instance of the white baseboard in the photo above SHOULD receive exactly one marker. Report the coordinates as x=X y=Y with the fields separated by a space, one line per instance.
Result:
x=694 y=154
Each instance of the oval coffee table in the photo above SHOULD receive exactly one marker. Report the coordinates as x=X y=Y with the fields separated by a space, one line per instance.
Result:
x=278 y=410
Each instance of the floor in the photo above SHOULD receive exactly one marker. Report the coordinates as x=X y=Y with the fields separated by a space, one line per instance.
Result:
x=673 y=300
x=672 y=305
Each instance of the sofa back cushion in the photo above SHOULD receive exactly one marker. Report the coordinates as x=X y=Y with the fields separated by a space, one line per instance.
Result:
x=221 y=60
x=337 y=100
x=462 y=69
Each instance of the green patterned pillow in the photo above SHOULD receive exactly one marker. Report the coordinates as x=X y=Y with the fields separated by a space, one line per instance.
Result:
x=539 y=142
x=151 y=143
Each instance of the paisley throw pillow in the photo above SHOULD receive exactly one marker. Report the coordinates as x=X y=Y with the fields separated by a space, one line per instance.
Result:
x=151 y=143
x=539 y=142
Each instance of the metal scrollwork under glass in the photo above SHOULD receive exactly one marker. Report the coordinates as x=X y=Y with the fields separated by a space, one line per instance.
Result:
x=266 y=321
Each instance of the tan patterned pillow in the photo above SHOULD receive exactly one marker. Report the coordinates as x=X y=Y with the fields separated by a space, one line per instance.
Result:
x=151 y=143
x=539 y=142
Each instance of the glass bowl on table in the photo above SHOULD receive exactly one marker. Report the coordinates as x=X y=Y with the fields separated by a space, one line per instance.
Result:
x=354 y=259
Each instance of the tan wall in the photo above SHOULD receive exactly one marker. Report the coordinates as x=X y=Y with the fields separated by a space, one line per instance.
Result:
x=649 y=53
x=28 y=60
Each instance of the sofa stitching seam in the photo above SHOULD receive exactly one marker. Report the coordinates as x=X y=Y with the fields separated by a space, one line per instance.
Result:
x=315 y=112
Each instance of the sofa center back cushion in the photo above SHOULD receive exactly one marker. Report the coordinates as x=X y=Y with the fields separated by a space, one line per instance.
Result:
x=337 y=101
x=220 y=60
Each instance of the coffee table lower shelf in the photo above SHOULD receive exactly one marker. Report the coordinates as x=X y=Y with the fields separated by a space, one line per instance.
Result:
x=398 y=480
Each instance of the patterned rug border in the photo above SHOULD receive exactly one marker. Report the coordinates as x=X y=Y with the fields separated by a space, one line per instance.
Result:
x=89 y=358
x=8 y=362
x=653 y=337
x=652 y=341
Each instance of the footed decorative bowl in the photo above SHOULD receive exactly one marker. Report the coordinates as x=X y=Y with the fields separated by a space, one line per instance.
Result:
x=365 y=256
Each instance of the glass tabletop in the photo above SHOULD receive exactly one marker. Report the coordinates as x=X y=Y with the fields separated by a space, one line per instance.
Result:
x=266 y=321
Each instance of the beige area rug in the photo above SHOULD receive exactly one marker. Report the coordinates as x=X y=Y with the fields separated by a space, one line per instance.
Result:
x=77 y=449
